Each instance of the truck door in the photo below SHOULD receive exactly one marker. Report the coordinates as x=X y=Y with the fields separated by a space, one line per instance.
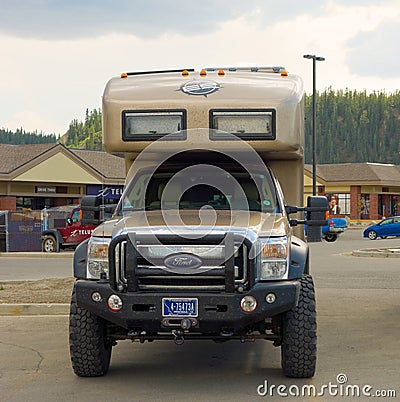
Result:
x=75 y=231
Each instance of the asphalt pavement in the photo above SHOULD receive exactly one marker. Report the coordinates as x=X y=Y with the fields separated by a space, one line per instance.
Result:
x=358 y=307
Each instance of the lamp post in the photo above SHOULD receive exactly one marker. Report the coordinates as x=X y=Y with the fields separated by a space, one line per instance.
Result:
x=314 y=233
x=314 y=116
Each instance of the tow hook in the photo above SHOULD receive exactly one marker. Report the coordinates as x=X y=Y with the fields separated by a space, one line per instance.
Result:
x=178 y=337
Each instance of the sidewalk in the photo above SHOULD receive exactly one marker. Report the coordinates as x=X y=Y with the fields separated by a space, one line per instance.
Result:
x=37 y=254
x=378 y=252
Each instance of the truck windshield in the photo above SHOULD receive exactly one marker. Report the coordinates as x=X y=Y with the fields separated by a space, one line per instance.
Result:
x=218 y=189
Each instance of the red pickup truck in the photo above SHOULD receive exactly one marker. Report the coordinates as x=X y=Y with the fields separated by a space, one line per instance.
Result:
x=62 y=228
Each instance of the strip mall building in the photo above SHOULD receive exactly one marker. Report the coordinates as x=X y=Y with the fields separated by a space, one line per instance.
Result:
x=35 y=176
x=358 y=190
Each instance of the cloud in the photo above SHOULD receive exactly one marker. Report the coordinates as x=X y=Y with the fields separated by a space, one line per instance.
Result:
x=74 y=19
x=375 y=53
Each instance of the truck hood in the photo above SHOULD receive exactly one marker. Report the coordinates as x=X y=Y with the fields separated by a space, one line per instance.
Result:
x=252 y=223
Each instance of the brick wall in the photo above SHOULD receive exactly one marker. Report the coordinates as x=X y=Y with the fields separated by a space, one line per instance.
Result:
x=355 y=193
x=8 y=203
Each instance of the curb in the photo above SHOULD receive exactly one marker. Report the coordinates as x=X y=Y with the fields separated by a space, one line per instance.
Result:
x=34 y=309
x=377 y=252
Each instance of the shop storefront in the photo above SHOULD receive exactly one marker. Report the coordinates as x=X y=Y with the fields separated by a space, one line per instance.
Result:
x=360 y=191
x=33 y=177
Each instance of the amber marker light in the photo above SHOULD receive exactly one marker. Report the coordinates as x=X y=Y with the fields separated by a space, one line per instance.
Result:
x=284 y=73
x=185 y=73
x=203 y=73
x=124 y=75
x=221 y=72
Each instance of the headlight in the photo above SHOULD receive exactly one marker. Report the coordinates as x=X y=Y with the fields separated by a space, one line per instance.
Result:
x=97 y=257
x=274 y=258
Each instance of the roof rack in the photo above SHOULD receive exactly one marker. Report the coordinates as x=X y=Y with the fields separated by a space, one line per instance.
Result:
x=160 y=71
x=277 y=69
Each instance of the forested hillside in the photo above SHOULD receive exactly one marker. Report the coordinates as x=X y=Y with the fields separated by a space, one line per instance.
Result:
x=21 y=136
x=86 y=134
x=352 y=126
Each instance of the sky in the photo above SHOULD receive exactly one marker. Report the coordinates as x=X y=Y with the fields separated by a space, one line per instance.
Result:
x=57 y=55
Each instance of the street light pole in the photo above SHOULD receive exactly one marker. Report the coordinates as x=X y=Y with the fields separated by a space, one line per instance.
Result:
x=314 y=117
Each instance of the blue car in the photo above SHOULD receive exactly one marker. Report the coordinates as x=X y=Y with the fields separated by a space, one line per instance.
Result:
x=386 y=227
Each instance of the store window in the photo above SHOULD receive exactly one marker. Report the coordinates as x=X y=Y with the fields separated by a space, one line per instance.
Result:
x=25 y=203
x=339 y=203
x=395 y=204
x=364 y=206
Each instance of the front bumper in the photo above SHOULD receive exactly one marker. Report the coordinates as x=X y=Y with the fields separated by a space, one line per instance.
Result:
x=217 y=312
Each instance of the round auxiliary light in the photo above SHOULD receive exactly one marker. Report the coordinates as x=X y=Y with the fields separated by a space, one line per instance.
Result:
x=270 y=298
x=114 y=303
x=96 y=297
x=248 y=304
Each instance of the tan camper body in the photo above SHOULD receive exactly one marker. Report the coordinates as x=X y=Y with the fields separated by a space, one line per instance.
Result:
x=197 y=94
x=202 y=244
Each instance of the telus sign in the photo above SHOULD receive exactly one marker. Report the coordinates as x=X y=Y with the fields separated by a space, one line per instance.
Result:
x=108 y=192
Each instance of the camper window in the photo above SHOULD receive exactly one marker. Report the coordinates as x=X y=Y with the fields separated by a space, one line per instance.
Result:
x=247 y=124
x=152 y=125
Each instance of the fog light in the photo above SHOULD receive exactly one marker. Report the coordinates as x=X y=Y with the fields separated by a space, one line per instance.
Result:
x=114 y=303
x=96 y=297
x=270 y=298
x=248 y=304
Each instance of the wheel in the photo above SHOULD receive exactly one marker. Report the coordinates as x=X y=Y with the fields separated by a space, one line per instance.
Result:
x=49 y=244
x=299 y=334
x=90 y=350
x=330 y=237
x=372 y=235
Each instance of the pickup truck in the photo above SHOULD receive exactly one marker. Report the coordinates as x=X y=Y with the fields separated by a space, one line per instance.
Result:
x=335 y=226
x=62 y=227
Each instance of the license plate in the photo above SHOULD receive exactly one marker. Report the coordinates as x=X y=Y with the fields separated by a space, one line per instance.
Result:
x=180 y=307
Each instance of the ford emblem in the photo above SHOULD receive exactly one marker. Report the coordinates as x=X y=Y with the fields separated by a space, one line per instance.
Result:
x=177 y=261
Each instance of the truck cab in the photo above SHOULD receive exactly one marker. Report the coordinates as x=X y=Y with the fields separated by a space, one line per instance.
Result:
x=206 y=242
x=62 y=228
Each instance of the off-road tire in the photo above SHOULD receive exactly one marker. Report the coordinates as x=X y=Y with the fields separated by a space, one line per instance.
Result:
x=331 y=237
x=372 y=235
x=49 y=244
x=299 y=334
x=90 y=350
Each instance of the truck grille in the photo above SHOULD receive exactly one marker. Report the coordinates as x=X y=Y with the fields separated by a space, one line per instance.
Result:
x=137 y=263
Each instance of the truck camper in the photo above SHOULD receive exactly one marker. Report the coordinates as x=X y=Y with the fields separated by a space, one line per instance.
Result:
x=205 y=243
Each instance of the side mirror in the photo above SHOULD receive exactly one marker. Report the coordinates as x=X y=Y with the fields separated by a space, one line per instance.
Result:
x=317 y=208
x=90 y=210
x=317 y=216
x=69 y=221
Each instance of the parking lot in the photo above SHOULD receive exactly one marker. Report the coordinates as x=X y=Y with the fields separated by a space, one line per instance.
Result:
x=358 y=304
